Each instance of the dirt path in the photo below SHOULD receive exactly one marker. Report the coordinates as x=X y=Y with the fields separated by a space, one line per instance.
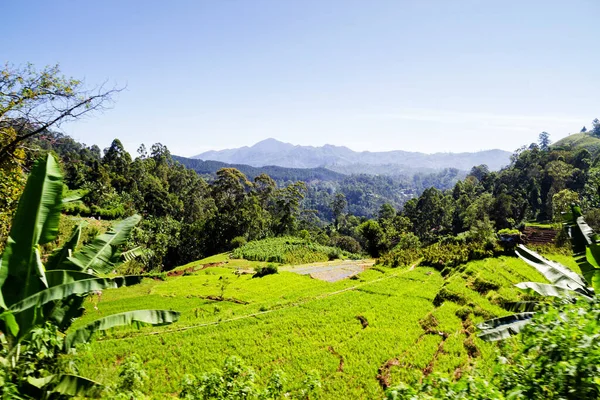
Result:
x=331 y=271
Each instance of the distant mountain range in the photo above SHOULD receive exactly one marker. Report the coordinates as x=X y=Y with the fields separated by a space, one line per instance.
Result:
x=342 y=159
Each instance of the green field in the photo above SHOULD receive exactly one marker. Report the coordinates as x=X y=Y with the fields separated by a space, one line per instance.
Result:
x=296 y=324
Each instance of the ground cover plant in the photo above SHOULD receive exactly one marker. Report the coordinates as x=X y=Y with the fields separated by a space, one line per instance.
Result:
x=289 y=250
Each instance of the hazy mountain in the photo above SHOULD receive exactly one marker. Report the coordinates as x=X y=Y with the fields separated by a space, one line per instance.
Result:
x=342 y=159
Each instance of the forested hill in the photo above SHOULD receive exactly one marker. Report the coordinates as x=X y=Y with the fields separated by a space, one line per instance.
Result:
x=365 y=193
x=210 y=167
x=343 y=159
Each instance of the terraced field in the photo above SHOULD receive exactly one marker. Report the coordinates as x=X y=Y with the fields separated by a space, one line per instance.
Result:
x=361 y=335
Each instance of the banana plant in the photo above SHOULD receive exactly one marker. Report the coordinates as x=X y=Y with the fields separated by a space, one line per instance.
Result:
x=33 y=294
x=564 y=283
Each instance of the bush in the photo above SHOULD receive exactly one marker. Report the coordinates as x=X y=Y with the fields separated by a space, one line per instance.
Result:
x=238 y=241
x=507 y=231
x=268 y=269
x=346 y=243
x=448 y=254
x=236 y=381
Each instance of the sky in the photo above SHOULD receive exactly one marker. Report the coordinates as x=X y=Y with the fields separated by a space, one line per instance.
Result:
x=422 y=75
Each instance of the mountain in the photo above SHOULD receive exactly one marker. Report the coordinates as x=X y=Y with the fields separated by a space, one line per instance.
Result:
x=344 y=160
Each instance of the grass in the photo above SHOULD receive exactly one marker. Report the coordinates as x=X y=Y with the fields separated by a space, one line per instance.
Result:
x=580 y=140
x=545 y=225
x=296 y=324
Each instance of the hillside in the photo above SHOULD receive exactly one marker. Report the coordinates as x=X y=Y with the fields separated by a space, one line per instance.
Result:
x=363 y=335
x=278 y=173
x=579 y=141
x=274 y=152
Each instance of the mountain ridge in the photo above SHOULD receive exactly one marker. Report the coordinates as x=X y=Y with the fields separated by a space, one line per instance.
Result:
x=274 y=152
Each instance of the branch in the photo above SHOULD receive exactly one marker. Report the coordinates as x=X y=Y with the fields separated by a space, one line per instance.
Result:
x=69 y=112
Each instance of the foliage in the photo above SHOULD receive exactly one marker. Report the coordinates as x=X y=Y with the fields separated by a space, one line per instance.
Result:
x=34 y=295
x=33 y=101
x=507 y=231
x=346 y=243
x=442 y=256
x=236 y=381
x=268 y=269
x=289 y=250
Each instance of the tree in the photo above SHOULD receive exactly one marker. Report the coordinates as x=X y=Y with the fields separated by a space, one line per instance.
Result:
x=583 y=130
x=32 y=102
x=544 y=141
x=338 y=207
x=479 y=171
x=561 y=202
x=596 y=128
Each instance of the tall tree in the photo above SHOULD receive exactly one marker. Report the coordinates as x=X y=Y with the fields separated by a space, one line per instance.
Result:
x=544 y=141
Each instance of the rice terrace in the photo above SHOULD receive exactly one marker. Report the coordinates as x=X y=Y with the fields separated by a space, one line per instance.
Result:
x=299 y=200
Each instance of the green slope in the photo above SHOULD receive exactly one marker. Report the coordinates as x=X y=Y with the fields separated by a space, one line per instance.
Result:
x=296 y=324
x=579 y=141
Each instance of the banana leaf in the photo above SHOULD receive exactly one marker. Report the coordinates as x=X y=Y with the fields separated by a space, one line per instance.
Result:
x=35 y=222
x=135 y=253
x=101 y=254
x=556 y=273
x=520 y=306
x=586 y=246
x=73 y=385
x=61 y=276
x=153 y=317
x=546 y=289
x=63 y=291
x=504 y=327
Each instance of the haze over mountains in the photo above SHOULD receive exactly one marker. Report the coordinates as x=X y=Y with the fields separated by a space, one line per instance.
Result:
x=345 y=160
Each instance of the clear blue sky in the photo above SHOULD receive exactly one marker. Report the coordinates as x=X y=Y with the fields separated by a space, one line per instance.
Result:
x=372 y=75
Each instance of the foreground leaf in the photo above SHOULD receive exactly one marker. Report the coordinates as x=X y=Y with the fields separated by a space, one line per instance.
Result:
x=586 y=249
x=100 y=255
x=153 y=317
x=504 y=327
x=555 y=272
x=546 y=289
x=63 y=291
x=35 y=223
x=73 y=385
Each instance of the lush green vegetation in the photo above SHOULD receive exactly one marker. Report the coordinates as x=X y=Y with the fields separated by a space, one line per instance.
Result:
x=443 y=281
x=289 y=250
x=38 y=302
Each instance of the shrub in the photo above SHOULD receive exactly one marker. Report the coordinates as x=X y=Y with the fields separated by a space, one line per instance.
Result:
x=304 y=234
x=261 y=271
x=507 y=231
x=236 y=381
x=346 y=243
x=238 y=241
